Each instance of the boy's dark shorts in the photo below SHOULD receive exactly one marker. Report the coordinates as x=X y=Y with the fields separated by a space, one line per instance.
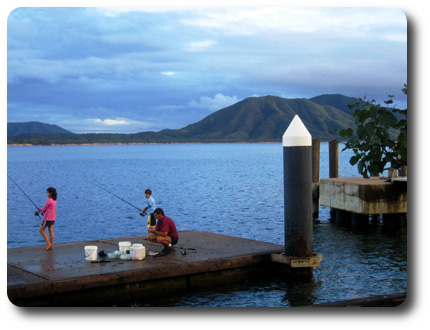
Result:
x=46 y=223
x=174 y=240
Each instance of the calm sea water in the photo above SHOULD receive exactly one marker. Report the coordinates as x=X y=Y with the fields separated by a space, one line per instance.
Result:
x=211 y=187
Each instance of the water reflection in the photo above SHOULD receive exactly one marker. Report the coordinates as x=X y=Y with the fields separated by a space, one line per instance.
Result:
x=300 y=292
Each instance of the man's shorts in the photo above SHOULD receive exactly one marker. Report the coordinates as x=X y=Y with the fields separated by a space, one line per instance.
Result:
x=151 y=220
x=174 y=240
x=46 y=223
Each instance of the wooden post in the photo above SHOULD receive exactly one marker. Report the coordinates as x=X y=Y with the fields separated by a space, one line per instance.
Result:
x=333 y=155
x=316 y=143
x=333 y=150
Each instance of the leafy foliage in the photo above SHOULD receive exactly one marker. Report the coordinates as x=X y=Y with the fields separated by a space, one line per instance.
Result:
x=372 y=141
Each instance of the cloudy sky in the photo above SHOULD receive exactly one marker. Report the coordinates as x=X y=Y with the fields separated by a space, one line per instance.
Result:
x=128 y=70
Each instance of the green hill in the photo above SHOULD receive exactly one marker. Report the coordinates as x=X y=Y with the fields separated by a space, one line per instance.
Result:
x=265 y=119
x=33 y=127
x=255 y=119
x=338 y=101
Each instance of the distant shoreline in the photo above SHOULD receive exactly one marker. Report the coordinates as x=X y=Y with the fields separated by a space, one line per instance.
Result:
x=124 y=143
x=145 y=143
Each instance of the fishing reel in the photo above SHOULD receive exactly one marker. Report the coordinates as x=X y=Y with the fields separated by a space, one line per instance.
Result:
x=142 y=214
x=36 y=213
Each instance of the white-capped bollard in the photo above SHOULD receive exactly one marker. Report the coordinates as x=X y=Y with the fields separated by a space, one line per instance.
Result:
x=297 y=147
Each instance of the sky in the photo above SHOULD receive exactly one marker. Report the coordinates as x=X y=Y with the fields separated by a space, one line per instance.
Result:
x=127 y=70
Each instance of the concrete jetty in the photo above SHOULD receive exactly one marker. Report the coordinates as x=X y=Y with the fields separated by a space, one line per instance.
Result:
x=62 y=277
x=374 y=195
x=353 y=200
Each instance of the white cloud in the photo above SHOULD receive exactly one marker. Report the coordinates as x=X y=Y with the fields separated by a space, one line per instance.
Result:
x=117 y=121
x=199 y=45
x=116 y=11
x=247 y=21
x=219 y=101
x=336 y=22
x=168 y=73
x=117 y=125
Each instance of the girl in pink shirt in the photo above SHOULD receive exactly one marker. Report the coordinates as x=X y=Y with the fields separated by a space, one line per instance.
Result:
x=49 y=214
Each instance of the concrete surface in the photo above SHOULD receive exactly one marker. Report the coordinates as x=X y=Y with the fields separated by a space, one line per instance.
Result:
x=364 y=196
x=39 y=277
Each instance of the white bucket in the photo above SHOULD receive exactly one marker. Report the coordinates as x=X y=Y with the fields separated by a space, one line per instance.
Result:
x=137 y=251
x=124 y=247
x=91 y=253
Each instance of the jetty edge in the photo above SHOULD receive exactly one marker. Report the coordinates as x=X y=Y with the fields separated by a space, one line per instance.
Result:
x=62 y=277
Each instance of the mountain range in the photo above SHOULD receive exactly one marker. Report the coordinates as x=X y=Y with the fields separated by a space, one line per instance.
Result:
x=255 y=119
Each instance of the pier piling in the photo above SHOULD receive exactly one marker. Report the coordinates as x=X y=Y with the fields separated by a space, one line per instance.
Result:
x=316 y=143
x=298 y=222
x=333 y=158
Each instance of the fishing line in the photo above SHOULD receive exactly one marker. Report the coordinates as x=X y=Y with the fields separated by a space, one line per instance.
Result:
x=140 y=210
x=25 y=195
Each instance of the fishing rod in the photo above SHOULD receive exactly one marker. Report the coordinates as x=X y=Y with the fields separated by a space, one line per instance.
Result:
x=110 y=192
x=37 y=213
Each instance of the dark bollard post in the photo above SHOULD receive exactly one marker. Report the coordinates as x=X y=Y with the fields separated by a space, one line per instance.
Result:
x=298 y=253
x=297 y=145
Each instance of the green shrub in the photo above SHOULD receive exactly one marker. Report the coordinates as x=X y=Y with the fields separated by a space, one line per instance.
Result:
x=380 y=137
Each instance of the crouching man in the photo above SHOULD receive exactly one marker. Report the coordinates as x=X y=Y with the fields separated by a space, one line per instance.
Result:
x=164 y=232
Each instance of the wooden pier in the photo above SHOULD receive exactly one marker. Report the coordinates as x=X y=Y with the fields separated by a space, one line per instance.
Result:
x=62 y=277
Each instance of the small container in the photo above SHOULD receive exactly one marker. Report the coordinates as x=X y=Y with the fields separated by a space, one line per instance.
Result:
x=125 y=257
x=124 y=247
x=137 y=251
x=91 y=253
x=114 y=255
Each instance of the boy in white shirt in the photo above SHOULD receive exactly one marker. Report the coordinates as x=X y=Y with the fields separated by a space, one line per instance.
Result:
x=149 y=210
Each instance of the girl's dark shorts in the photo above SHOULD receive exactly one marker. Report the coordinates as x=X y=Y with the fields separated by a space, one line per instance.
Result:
x=46 y=223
